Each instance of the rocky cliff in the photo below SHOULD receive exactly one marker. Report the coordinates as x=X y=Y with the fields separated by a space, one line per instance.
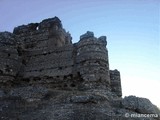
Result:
x=44 y=76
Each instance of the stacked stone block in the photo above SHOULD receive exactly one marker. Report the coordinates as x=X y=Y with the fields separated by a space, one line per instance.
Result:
x=92 y=62
x=44 y=76
x=10 y=61
x=116 y=82
x=43 y=53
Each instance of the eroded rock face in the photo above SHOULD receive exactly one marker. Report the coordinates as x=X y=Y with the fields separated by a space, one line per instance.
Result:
x=43 y=76
x=140 y=105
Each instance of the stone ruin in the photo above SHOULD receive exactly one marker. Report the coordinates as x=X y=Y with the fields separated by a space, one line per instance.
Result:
x=44 y=76
x=43 y=53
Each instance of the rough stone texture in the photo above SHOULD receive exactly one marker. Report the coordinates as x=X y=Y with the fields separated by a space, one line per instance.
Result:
x=140 y=105
x=43 y=76
x=116 y=82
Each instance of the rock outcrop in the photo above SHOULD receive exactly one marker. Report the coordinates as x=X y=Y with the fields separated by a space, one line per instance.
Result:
x=44 y=76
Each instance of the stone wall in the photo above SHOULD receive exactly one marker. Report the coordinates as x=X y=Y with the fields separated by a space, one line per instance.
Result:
x=92 y=62
x=55 y=62
x=44 y=76
x=47 y=34
x=116 y=82
x=44 y=52
x=47 y=51
x=10 y=61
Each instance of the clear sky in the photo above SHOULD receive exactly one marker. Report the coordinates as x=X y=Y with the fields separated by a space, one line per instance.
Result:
x=132 y=28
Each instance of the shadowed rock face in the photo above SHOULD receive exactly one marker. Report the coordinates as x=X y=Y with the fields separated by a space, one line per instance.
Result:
x=43 y=76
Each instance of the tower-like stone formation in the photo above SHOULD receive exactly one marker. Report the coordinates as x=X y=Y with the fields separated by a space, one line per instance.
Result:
x=92 y=61
x=44 y=76
x=46 y=54
x=116 y=82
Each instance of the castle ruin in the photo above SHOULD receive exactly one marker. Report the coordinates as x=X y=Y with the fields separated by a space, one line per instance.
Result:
x=44 y=76
x=43 y=52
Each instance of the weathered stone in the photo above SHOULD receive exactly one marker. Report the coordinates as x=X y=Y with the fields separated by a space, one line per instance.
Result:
x=103 y=39
x=87 y=35
x=140 y=105
x=25 y=28
x=44 y=76
x=2 y=93
x=116 y=82
x=30 y=92
x=7 y=38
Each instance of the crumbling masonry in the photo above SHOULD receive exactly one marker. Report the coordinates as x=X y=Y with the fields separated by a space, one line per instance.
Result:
x=44 y=76
x=43 y=52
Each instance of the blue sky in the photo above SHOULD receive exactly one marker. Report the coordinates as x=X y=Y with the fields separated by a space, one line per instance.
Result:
x=132 y=28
